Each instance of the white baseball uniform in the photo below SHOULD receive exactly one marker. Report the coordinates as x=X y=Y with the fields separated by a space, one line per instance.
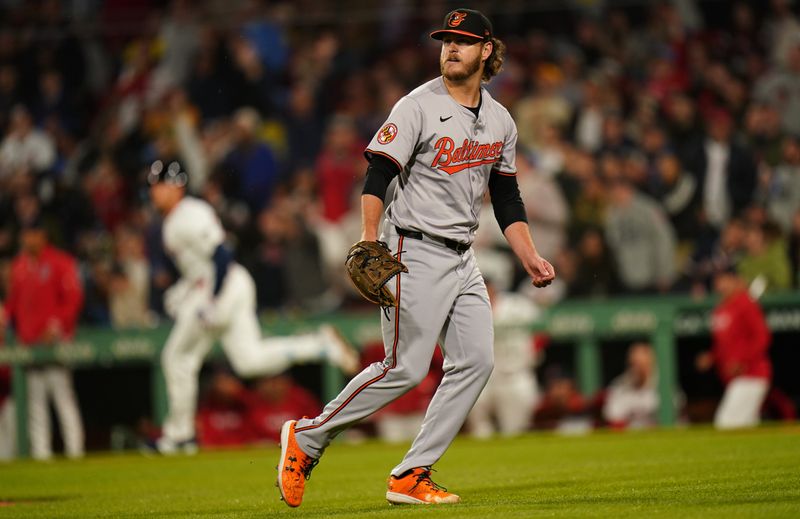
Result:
x=446 y=155
x=741 y=403
x=630 y=404
x=43 y=384
x=8 y=430
x=512 y=391
x=191 y=234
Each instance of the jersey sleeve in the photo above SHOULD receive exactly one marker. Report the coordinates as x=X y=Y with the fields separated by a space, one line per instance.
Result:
x=507 y=165
x=399 y=135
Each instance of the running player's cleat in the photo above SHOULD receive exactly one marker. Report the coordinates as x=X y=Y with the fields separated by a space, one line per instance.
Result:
x=415 y=487
x=294 y=467
x=339 y=351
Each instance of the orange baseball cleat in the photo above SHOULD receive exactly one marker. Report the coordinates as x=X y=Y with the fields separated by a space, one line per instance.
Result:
x=294 y=468
x=415 y=487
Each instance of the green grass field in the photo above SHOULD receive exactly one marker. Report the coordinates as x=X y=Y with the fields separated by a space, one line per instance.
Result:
x=671 y=473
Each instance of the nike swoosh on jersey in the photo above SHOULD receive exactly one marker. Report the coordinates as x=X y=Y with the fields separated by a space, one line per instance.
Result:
x=443 y=119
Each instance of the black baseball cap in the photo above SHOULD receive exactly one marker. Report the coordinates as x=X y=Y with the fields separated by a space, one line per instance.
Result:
x=167 y=172
x=466 y=22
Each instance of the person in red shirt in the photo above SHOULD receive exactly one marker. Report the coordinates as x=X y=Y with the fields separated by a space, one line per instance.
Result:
x=275 y=400
x=222 y=415
x=44 y=300
x=338 y=168
x=739 y=352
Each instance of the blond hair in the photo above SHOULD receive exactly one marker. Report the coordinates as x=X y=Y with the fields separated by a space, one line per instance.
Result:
x=494 y=63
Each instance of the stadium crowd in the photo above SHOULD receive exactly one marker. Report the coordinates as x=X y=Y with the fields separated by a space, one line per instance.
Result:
x=657 y=140
x=653 y=140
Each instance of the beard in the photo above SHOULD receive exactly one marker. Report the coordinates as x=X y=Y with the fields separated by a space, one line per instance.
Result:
x=468 y=69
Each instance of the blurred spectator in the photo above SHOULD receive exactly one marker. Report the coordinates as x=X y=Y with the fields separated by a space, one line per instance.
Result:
x=589 y=118
x=765 y=263
x=304 y=126
x=641 y=240
x=108 y=193
x=739 y=352
x=8 y=417
x=222 y=419
x=595 y=271
x=208 y=86
x=653 y=142
x=25 y=150
x=54 y=106
x=549 y=158
x=632 y=399
x=676 y=191
x=794 y=250
x=275 y=400
x=199 y=149
x=129 y=296
x=683 y=125
x=725 y=171
x=43 y=304
x=781 y=87
x=512 y=393
x=286 y=261
x=250 y=78
x=10 y=94
x=547 y=210
x=780 y=29
x=762 y=125
x=615 y=140
x=179 y=37
x=562 y=407
x=589 y=199
x=339 y=167
x=709 y=255
x=267 y=258
x=252 y=172
x=783 y=191
x=545 y=107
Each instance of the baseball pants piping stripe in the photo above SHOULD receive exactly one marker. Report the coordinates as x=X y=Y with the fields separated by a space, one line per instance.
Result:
x=386 y=370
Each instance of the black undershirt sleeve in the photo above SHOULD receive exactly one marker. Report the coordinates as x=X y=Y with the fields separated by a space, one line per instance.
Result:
x=506 y=200
x=380 y=172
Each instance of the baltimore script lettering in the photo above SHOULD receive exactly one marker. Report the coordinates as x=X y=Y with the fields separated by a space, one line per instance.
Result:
x=470 y=154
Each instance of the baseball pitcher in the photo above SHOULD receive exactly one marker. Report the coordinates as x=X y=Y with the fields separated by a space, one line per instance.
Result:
x=447 y=142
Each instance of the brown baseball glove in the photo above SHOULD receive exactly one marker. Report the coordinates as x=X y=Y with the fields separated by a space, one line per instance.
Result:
x=370 y=265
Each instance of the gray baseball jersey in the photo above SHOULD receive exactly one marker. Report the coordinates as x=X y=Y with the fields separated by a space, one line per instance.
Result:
x=446 y=155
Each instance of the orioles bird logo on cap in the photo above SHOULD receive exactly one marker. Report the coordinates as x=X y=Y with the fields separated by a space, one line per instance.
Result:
x=456 y=19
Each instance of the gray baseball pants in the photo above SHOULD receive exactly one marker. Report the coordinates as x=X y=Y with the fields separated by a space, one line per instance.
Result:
x=441 y=298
